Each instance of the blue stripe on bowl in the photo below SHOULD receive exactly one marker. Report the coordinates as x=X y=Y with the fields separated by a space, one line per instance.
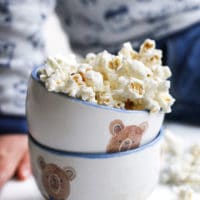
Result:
x=96 y=155
x=34 y=75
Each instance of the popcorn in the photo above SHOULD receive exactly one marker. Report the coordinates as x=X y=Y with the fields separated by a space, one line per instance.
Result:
x=107 y=66
x=128 y=80
x=161 y=73
x=72 y=88
x=138 y=69
x=118 y=104
x=185 y=193
x=128 y=52
x=147 y=46
x=83 y=68
x=94 y=79
x=149 y=55
x=164 y=86
x=181 y=167
x=90 y=58
x=152 y=105
x=87 y=94
x=115 y=64
x=136 y=88
x=105 y=98
x=165 y=100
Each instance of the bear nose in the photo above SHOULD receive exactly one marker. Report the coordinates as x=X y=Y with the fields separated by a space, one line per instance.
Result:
x=127 y=142
x=125 y=145
x=54 y=183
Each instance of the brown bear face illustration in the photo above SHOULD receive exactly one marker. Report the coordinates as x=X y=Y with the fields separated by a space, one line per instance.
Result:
x=125 y=137
x=55 y=180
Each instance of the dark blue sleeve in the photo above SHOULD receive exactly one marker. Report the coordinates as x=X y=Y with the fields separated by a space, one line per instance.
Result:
x=182 y=53
x=13 y=124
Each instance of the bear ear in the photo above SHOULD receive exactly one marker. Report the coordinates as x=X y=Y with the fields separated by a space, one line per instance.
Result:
x=41 y=162
x=144 y=126
x=116 y=126
x=70 y=172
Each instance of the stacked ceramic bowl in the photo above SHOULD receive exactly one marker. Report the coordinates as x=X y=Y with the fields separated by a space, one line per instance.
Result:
x=82 y=151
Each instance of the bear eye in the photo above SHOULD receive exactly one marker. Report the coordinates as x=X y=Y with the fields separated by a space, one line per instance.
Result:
x=117 y=128
x=120 y=141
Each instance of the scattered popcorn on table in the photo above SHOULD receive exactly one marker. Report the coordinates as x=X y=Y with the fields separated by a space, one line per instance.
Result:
x=185 y=193
x=181 y=167
x=128 y=80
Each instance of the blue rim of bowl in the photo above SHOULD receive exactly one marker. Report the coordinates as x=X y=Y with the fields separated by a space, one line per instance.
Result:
x=97 y=155
x=34 y=75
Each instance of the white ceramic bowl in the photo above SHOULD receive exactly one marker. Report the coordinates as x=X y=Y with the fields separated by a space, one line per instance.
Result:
x=124 y=175
x=70 y=124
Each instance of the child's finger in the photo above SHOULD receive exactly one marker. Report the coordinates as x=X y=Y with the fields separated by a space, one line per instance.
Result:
x=8 y=165
x=12 y=148
x=24 y=168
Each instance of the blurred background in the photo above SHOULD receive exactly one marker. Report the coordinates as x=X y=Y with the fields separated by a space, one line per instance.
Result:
x=52 y=30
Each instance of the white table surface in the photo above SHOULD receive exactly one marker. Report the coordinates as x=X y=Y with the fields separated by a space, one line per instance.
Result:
x=27 y=190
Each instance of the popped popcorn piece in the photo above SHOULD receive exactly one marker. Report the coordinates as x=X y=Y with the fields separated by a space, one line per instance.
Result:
x=165 y=101
x=128 y=80
x=90 y=59
x=87 y=94
x=147 y=45
x=118 y=104
x=161 y=73
x=56 y=82
x=152 y=105
x=105 y=98
x=135 y=88
x=128 y=52
x=173 y=145
x=195 y=151
x=94 y=79
x=164 y=86
x=83 y=68
x=185 y=193
x=115 y=64
x=149 y=55
x=72 y=87
x=138 y=69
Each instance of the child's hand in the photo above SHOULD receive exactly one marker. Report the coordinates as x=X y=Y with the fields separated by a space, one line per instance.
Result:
x=14 y=157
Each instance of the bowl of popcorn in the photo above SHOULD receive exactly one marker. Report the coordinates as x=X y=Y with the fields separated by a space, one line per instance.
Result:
x=101 y=103
x=95 y=123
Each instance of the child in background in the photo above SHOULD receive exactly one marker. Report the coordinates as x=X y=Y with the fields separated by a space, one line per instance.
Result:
x=92 y=25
